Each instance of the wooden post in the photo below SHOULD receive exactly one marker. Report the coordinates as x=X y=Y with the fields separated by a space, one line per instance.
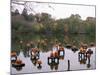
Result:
x=39 y=66
x=21 y=44
x=88 y=65
x=68 y=65
x=27 y=50
x=56 y=67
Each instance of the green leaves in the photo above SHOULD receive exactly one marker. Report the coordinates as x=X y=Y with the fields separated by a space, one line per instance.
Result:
x=42 y=23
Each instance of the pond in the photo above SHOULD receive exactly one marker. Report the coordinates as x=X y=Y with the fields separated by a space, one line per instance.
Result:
x=63 y=64
x=45 y=44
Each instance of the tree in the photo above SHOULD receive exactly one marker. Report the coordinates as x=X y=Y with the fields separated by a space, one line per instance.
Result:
x=24 y=13
x=74 y=22
x=17 y=12
x=31 y=17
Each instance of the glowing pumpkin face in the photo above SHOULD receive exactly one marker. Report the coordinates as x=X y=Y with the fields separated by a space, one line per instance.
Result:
x=61 y=48
x=56 y=54
x=18 y=61
x=81 y=49
x=39 y=62
x=33 y=50
x=13 y=54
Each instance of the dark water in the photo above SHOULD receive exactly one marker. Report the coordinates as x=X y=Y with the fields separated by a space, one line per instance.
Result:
x=46 y=42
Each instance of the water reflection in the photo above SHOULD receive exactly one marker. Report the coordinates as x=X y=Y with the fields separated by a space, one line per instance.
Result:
x=54 y=67
x=85 y=55
x=55 y=54
x=18 y=64
x=34 y=61
x=45 y=43
x=47 y=63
